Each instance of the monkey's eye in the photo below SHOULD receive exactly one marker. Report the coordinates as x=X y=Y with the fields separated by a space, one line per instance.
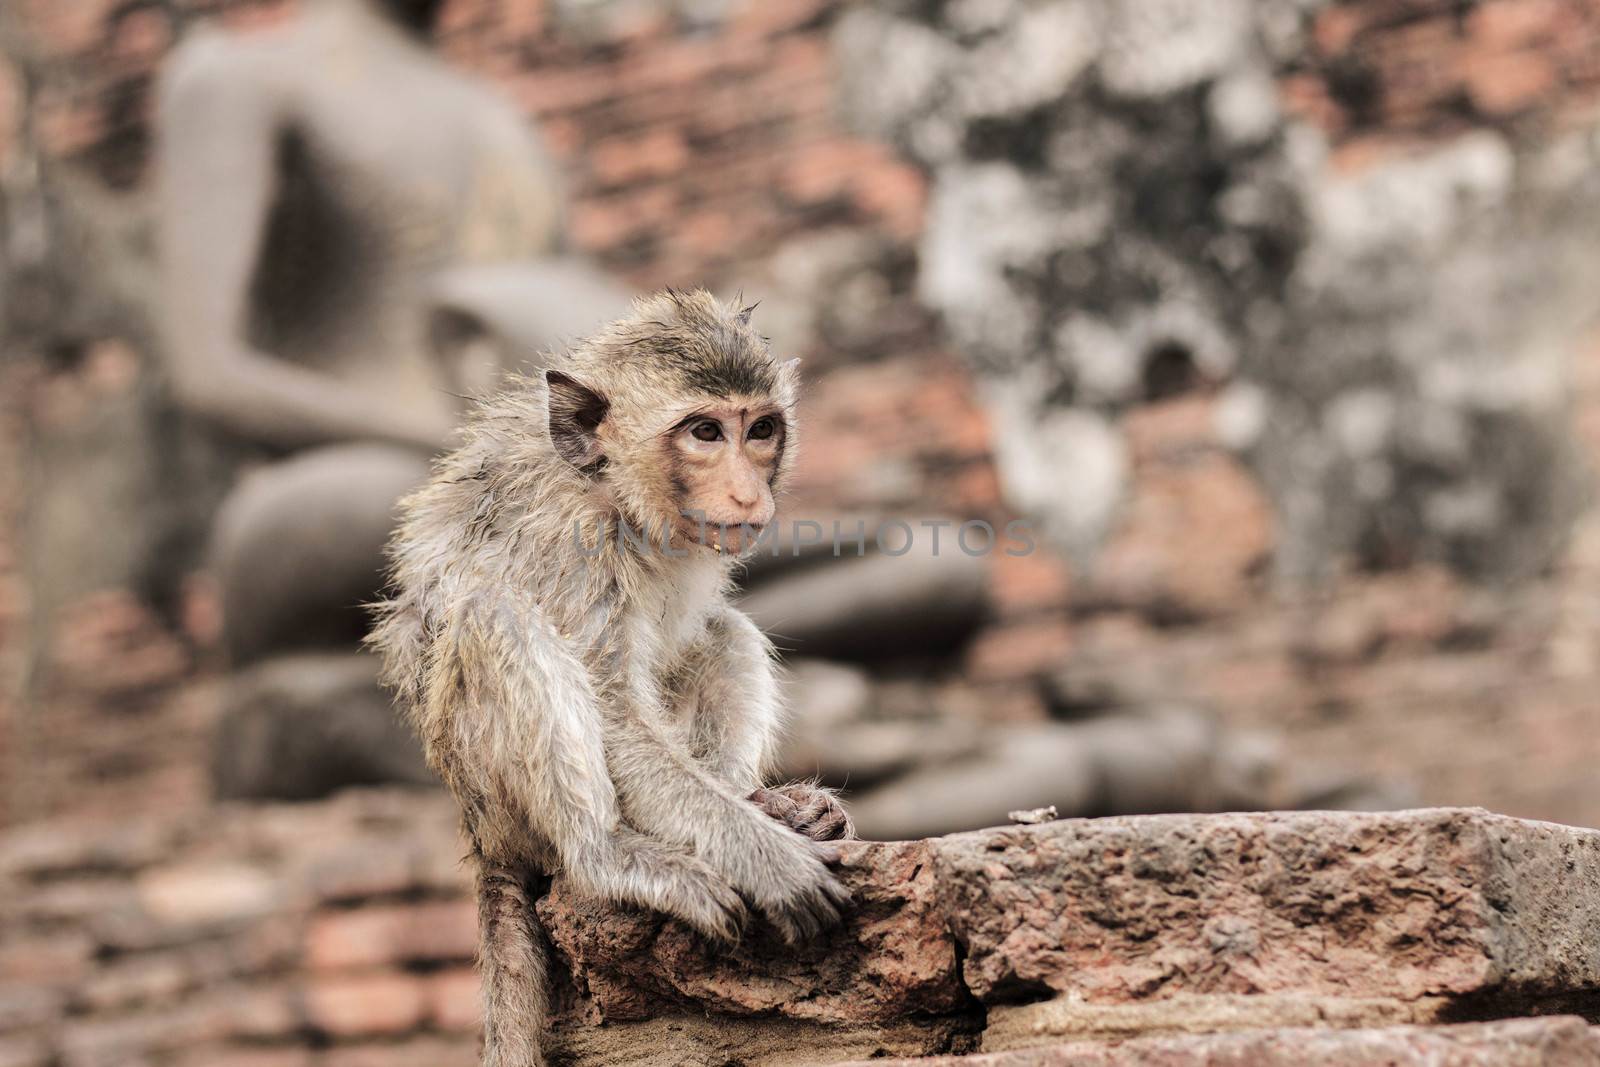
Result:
x=762 y=429
x=706 y=430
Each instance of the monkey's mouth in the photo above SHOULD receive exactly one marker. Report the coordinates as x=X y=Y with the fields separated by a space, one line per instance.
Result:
x=728 y=539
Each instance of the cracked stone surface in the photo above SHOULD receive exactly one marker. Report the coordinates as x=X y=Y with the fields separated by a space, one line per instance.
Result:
x=258 y=930
x=1114 y=927
x=1553 y=1042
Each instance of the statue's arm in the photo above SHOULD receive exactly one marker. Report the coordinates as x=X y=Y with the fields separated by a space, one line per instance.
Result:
x=218 y=132
x=524 y=309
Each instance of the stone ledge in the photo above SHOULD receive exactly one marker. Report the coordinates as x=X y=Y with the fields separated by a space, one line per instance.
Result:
x=1023 y=936
x=1560 y=1041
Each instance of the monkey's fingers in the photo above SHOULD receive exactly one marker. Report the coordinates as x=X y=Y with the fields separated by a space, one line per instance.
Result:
x=827 y=854
x=803 y=793
x=835 y=825
x=776 y=804
x=823 y=818
x=804 y=917
x=720 y=915
x=808 y=810
x=810 y=907
x=825 y=906
x=829 y=902
x=838 y=896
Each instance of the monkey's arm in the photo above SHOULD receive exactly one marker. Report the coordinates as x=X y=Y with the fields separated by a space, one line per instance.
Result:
x=736 y=708
x=669 y=793
x=510 y=719
x=737 y=713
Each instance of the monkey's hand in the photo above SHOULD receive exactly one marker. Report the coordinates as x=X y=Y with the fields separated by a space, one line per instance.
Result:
x=807 y=808
x=792 y=885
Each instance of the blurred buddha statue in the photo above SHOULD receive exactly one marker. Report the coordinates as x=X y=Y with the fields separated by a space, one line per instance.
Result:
x=354 y=239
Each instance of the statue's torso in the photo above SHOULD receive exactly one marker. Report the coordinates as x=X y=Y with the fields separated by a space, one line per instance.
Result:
x=391 y=168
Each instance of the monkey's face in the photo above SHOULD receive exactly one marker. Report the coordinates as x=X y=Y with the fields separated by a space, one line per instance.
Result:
x=681 y=419
x=722 y=463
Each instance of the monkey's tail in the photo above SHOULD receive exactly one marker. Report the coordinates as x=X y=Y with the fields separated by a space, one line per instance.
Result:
x=513 y=963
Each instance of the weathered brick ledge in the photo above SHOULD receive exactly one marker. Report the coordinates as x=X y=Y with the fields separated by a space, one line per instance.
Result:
x=340 y=934
x=1100 y=930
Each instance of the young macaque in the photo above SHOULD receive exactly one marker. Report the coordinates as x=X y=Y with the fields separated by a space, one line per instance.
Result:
x=560 y=635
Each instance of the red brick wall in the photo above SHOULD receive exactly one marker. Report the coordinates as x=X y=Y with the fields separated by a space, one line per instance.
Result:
x=693 y=151
x=1392 y=69
x=689 y=150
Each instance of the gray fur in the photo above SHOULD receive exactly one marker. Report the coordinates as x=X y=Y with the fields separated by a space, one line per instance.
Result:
x=604 y=716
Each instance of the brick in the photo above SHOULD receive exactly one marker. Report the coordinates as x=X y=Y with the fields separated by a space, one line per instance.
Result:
x=895 y=193
x=973 y=489
x=366 y=1005
x=829 y=169
x=258 y=15
x=203 y=894
x=26 y=1007
x=903 y=964
x=418 y=1052
x=258 y=1012
x=1020 y=650
x=455 y=1000
x=46 y=959
x=1155 y=561
x=1337 y=27
x=1505 y=85
x=1306 y=96
x=134 y=980
x=706 y=233
x=129 y=1038
x=555 y=90
x=109 y=643
x=772 y=17
x=141 y=39
x=598 y=225
x=246 y=1056
x=44 y=850
x=364 y=869
x=1505 y=24
x=653 y=154
x=673 y=66
x=1039 y=579
x=1170 y=427
x=366 y=937
x=65 y=30
x=25 y=1052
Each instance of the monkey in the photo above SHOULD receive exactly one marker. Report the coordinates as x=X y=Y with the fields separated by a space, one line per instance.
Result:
x=588 y=693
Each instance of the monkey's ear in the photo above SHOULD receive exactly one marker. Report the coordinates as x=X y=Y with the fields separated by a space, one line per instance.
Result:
x=789 y=371
x=574 y=412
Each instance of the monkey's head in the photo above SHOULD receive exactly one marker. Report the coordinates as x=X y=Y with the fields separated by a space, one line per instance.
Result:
x=681 y=417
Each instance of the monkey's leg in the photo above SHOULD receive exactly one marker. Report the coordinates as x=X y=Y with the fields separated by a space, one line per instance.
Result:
x=513 y=964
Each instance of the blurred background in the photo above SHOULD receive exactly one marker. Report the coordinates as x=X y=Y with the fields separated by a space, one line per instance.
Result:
x=1274 y=320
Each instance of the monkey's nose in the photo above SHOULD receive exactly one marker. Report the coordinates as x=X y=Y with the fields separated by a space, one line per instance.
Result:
x=747 y=495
